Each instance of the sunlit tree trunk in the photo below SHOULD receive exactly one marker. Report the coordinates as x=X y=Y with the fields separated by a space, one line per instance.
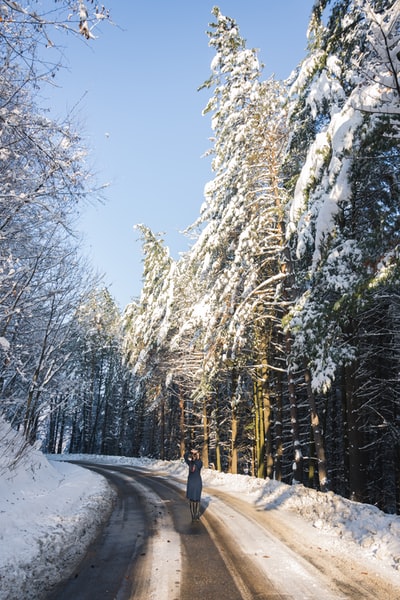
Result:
x=278 y=430
x=182 y=443
x=234 y=453
x=262 y=419
x=205 y=446
x=297 y=465
x=162 y=428
x=269 y=461
x=259 y=435
x=218 y=461
x=317 y=435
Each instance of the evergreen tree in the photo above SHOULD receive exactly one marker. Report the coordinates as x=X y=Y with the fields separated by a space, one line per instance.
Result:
x=97 y=399
x=147 y=326
x=236 y=259
x=342 y=171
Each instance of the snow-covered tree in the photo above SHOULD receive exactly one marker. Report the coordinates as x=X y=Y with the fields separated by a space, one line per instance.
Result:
x=43 y=180
x=332 y=140
x=235 y=262
x=148 y=325
x=97 y=399
x=342 y=171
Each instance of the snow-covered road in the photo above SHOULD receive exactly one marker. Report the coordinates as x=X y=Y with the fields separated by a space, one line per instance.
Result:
x=306 y=543
x=264 y=553
x=300 y=562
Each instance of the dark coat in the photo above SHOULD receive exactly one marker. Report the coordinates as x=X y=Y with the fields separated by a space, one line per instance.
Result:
x=194 y=482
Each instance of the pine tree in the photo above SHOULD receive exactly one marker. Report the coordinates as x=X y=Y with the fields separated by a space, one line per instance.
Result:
x=341 y=171
x=236 y=259
x=148 y=327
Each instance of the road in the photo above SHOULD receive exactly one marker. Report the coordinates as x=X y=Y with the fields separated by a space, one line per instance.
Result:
x=150 y=549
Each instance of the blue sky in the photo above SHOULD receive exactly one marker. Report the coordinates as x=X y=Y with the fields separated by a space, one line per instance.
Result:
x=134 y=95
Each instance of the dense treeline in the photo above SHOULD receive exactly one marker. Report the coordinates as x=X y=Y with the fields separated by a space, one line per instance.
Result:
x=273 y=343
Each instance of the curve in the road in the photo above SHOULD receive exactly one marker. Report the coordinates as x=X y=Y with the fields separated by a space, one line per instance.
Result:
x=150 y=549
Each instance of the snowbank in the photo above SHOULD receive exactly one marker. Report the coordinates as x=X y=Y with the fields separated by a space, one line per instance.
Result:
x=49 y=513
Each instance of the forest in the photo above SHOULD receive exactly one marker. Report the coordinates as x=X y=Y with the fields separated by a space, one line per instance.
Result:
x=273 y=344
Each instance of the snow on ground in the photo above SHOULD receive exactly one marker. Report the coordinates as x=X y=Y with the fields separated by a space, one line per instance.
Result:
x=50 y=510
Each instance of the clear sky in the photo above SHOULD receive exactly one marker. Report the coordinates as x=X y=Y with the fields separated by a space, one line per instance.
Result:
x=134 y=95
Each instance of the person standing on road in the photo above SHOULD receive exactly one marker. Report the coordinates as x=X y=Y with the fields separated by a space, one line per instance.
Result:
x=194 y=482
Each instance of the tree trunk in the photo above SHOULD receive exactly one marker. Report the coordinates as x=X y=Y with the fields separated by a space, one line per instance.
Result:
x=61 y=432
x=317 y=434
x=355 y=443
x=162 y=428
x=278 y=430
x=298 y=455
x=234 y=454
x=259 y=433
x=267 y=412
x=204 y=449
x=218 y=465
x=182 y=441
x=53 y=426
x=218 y=462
